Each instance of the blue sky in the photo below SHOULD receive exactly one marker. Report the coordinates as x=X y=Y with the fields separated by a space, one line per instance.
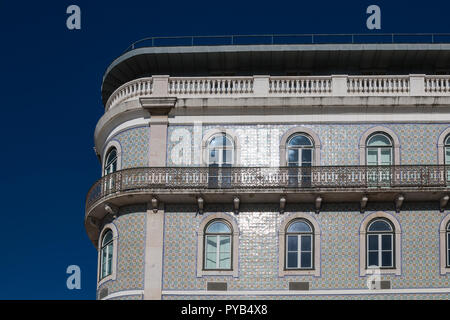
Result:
x=50 y=103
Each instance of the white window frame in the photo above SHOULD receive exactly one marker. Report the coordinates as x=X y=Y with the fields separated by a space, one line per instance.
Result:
x=221 y=150
x=115 y=239
x=299 y=150
x=299 y=251
x=380 y=250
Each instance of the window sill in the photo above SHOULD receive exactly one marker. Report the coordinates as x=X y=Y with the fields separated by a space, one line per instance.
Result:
x=298 y=272
x=203 y=273
x=105 y=279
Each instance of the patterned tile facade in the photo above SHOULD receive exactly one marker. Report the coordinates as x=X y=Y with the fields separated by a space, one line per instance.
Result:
x=135 y=146
x=340 y=143
x=339 y=223
x=130 y=225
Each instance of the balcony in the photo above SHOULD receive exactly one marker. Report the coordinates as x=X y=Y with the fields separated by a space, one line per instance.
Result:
x=266 y=184
x=269 y=86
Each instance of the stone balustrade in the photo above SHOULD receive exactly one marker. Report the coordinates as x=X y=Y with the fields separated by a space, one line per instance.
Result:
x=285 y=86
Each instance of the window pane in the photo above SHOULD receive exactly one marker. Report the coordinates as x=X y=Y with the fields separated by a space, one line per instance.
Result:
x=218 y=227
x=386 y=258
x=447 y=155
x=386 y=157
x=306 y=260
x=292 y=260
x=210 y=262
x=379 y=140
x=300 y=140
x=107 y=237
x=373 y=259
x=293 y=155
x=306 y=156
x=380 y=225
x=306 y=243
x=225 y=244
x=372 y=157
x=299 y=226
x=213 y=156
x=227 y=156
x=225 y=260
x=211 y=244
x=292 y=243
x=386 y=242
x=373 y=242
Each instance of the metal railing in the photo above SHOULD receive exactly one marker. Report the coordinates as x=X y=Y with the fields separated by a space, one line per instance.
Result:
x=255 y=39
x=307 y=178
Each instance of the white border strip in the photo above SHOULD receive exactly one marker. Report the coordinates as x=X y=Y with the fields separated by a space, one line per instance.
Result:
x=308 y=292
x=124 y=293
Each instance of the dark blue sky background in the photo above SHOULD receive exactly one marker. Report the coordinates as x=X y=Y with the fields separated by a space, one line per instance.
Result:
x=50 y=102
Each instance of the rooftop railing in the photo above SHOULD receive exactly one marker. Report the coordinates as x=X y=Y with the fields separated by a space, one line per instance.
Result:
x=285 y=86
x=279 y=39
x=282 y=178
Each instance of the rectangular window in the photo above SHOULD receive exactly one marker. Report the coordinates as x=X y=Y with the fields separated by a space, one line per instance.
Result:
x=299 y=252
x=380 y=252
x=448 y=249
x=218 y=252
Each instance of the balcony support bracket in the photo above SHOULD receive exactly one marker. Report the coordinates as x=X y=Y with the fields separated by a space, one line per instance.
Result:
x=282 y=204
x=399 y=202
x=363 y=203
x=236 y=203
x=318 y=203
x=444 y=202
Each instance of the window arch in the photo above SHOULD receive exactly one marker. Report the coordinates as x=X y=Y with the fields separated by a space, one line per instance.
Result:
x=110 y=165
x=300 y=151
x=107 y=253
x=379 y=150
x=299 y=245
x=220 y=150
x=111 y=160
x=444 y=245
x=291 y=137
x=218 y=244
x=447 y=237
x=375 y=138
x=380 y=244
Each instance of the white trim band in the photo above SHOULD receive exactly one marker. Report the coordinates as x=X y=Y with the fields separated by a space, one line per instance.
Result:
x=307 y=292
x=124 y=293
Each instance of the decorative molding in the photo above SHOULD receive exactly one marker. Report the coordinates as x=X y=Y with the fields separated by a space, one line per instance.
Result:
x=381 y=129
x=363 y=271
x=299 y=130
x=235 y=246
x=282 y=245
x=113 y=275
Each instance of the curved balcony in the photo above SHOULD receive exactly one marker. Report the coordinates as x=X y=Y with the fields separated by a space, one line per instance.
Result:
x=266 y=184
x=267 y=86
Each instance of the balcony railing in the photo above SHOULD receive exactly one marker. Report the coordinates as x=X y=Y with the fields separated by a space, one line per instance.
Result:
x=268 y=86
x=294 y=178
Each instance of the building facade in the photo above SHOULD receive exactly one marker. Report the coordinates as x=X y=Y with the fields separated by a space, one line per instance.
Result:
x=274 y=172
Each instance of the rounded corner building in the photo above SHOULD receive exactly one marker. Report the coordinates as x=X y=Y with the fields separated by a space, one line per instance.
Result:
x=274 y=171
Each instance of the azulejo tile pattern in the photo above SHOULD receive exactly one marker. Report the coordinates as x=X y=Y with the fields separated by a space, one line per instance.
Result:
x=135 y=146
x=340 y=142
x=131 y=250
x=339 y=223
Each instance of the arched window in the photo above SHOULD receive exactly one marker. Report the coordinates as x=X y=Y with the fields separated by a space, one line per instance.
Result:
x=106 y=254
x=380 y=244
x=220 y=151
x=379 y=150
x=299 y=245
x=447 y=234
x=110 y=162
x=300 y=151
x=218 y=246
